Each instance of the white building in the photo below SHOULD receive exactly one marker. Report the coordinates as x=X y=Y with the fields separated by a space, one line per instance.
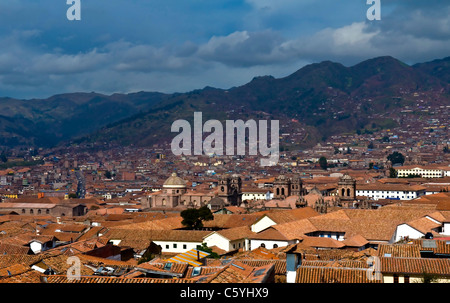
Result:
x=229 y=239
x=256 y=194
x=377 y=191
x=430 y=171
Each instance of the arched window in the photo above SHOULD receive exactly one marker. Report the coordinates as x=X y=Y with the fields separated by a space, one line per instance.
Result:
x=348 y=192
x=343 y=192
x=282 y=191
x=31 y=211
x=275 y=245
x=164 y=202
x=39 y=211
x=47 y=211
x=278 y=191
x=263 y=245
x=23 y=211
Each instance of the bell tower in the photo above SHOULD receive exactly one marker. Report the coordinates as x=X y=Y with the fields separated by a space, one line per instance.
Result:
x=346 y=189
x=230 y=189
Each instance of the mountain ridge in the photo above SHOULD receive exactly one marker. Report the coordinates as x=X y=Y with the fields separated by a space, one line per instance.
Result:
x=322 y=96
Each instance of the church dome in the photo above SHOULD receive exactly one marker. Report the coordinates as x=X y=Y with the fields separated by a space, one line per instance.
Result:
x=174 y=182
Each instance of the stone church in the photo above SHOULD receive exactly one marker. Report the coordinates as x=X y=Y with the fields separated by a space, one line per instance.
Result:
x=175 y=194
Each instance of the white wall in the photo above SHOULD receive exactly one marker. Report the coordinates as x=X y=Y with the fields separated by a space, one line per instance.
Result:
x=262 y=224
x=404 y=230
x=382 y=194
x=255 y=243
x=179 y=246
x=215 y=239
x=446 y=229
x=36 y=247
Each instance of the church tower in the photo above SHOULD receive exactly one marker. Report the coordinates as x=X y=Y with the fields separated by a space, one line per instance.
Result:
x=230 y=189
x=346 y=189
x=281 y=187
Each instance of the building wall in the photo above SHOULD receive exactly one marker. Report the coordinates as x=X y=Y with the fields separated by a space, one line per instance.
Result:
x=389 y=278
x=253 y=196
x=404 y=230
x=238 y=244
x=446 y=228
x=382 y=194
x=262 y=224
x=269 y=244
x=425 y=173
x=333 y=235
x=176 y=246
x=217 y=240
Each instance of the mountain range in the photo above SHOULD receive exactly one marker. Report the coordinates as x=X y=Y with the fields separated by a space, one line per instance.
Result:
x=317 y=101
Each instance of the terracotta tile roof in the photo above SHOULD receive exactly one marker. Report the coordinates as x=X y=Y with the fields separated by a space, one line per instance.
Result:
x=11 y=249
x=236 y=233
x=355 y=241
x=260 y=253
x=269 y=234
x=439 y=266
x=154 y=235
x=321 y=274
x=336 y=263
x=442 y=247
x=232 y=220
x=14 y=269
x=279 y=265
x=295 y=229
x=176 y=269
x=284 y=216
x=399 y=250
x=30 y=276
x=7 y=260
x=238 y=272
x=423 y=225
x=64 y=279
x=162 y=224
x=59 y=265
x=322 y=242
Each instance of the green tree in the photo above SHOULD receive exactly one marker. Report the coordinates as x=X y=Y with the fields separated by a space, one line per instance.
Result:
x=396 y=158
x=392 y=173
x=323 y=162
x=193 y=217
x=205 y=248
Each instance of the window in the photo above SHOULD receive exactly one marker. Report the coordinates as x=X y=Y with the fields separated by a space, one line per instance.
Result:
x=167 y=246
x=263 y=245
x=39 y=211
x=174 y=245
x=395 y=278
x=47 y=211
x=31 y=211
x=406 y=279
x=196 y=271
x=275 y=245
x=184 y=246
x=23 y=211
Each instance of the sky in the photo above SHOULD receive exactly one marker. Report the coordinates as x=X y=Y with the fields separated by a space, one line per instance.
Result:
x=124 y=46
